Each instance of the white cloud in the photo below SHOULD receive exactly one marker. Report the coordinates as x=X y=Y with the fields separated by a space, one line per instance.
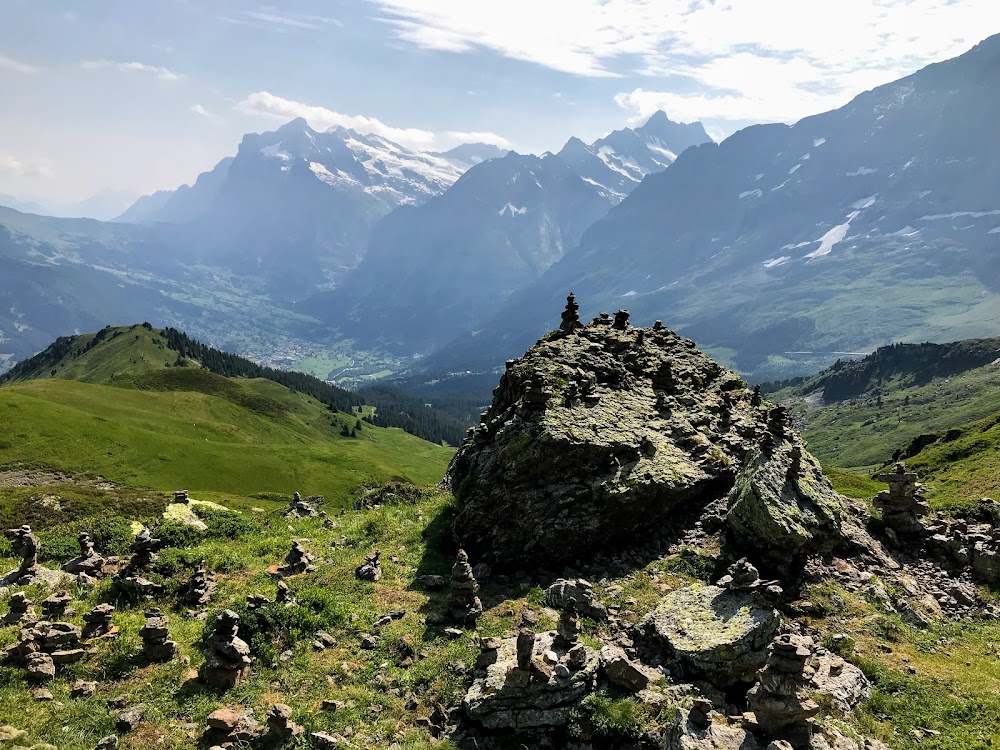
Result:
x=727 y=59
x=17 y=66
x=277 y=108
x=21 y=168
x=164 y=74
x=269 y=17
x=202 y=112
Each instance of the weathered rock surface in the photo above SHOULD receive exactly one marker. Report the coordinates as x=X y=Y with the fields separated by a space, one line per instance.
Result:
x=598 y=434
x=711 y=633
x=530 y=692
x=688 y=733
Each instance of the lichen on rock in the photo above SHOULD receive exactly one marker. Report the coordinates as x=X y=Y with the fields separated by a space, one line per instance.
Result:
x=601 y=435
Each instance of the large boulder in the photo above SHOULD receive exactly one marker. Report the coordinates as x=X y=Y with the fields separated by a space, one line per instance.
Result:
x=709 y=633
x=601 y=433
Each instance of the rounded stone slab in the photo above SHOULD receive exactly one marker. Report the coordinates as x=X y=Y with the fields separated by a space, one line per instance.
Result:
x=711 y=632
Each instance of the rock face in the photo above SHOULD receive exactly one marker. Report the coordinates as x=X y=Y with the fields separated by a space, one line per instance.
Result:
x=711 y=633
x=600 y=433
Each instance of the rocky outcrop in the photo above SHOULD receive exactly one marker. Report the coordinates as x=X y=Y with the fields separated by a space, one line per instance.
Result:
x=600 y=433
x=709 y=633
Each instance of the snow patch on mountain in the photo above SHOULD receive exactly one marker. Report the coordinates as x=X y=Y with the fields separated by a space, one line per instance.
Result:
x=513 y=210
x=834 y=237
x=861 y=171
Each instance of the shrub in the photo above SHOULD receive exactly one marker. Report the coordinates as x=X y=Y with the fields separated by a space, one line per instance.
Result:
x=111 y=536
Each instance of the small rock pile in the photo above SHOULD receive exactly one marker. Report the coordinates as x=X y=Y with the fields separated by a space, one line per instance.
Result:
x=370 y=569
x=577 y=596
x=464 y=606
x=903 y=504
x=21 y=610
x=743 y=576
x=297 y=561
x=229 y=727
x=156 y=643
x=781 y=700
x=89 y=562
x=98 y=622
x=144 y=550
x=23 y=544
x=42 y=646
x=55 y=606
x=200 y=587
x=300 y=508
x=182 y=497
x=279 y=729
x=227 y=657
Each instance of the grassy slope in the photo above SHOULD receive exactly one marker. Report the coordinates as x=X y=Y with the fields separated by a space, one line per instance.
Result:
x=168 y=440
x=860 y=433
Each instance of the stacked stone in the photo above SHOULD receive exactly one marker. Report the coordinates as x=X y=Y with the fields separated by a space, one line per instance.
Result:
x=571 y=315
x=43 y=645
x=21 y=611
x=284 y=595
x=227 y=657
x=602 y=319
x=296 y=561
x=280 y=730
x=98 y=622
x=143 y=551
x=568 y=630
x=23 y=544
x=55 y=606
x=89 y=562
x=181 y=496
x=463 y=604
x=537 y=392
x=200 y=588
x=576 y=595
x=621 y=320
x=300 y=508
x=903 y=504
x=781 y=700
x=156 y=643
x=371 y=569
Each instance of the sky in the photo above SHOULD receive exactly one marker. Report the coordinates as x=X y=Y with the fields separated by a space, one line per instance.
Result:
x=132 y=96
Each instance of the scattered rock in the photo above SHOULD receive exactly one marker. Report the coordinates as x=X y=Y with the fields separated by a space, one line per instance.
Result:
x=371 y=569
x=625 y=673
x=82 y=689
x=129 y=719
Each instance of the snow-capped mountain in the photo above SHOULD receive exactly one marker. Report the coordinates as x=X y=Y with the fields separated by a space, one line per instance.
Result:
x=617 y=163
x=784 y=247
x=293 y=210
x=437 y=269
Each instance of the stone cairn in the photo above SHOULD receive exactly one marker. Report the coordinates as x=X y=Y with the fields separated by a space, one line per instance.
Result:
x=23 y=544
x=41 y=646
x=199 y=589
x=781 y=700
x=536 y=392
x=284 y=595
x=300 y=508
x=743 y=576
x=621 y=320
x=55 y=606
x=279 y=729
x=571 y=315
x=463 y=604
x=89 y=562
x=21 y=611
x=903 y=504
x=227 y=657
x=156 y=643
x=143 y=551
x=296 y=561
x=370 y=569
x=98 y=622
x=182 y=497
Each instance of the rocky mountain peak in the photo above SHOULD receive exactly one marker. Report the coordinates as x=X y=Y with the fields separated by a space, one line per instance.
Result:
x=603 y=434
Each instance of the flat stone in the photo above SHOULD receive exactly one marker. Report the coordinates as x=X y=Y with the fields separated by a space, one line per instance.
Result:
x=711 y=633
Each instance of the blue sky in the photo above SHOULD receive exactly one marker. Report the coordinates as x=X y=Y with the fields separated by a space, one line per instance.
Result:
x=137 y=95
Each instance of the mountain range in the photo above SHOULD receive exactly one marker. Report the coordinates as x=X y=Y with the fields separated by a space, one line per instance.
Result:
x=785 y=247
x=779 y=249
